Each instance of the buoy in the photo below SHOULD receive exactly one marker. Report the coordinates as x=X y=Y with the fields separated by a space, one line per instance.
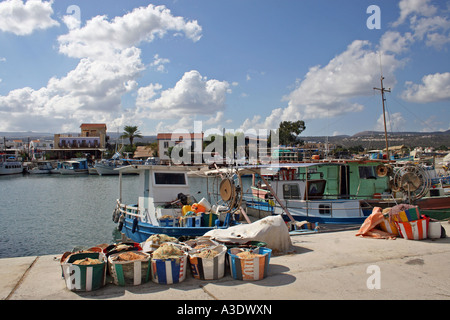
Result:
x=135 y=224
x=120 y=226
x=205 y=204
x=198 y=208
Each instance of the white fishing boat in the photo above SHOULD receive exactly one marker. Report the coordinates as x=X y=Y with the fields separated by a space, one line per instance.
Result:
x=10 y=165
x=74 y=167
x=43 y=167
x=161 y=206
x=109 y=166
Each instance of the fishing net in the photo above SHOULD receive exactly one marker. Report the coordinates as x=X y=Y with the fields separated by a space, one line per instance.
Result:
x=167 y=251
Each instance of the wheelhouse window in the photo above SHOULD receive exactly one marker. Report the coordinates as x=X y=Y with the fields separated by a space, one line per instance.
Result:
x=367 y=172
x=170 y=178
x=316 y=189
x=291 y=191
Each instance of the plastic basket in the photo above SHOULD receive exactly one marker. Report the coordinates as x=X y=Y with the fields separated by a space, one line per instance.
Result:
x=208 y=268
x=133 y=272
x=169 y=271
x=249 y=269
x=84 y=277
x=414 y=230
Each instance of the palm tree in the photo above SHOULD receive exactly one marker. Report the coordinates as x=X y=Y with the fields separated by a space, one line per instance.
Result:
x=131 y=132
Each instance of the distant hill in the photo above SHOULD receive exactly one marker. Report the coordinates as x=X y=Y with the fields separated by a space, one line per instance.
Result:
x=376 y=139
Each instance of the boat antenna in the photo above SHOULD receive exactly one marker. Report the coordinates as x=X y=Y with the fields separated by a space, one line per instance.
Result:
x=383 y=90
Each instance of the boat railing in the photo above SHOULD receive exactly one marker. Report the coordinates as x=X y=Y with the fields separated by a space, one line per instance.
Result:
x=129 y=210
x=329 y=196
x=323 y=206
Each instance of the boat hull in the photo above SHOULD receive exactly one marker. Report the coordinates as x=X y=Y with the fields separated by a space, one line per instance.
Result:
x=106 y=170
x=318 y=211
x=10 y=171
x=109 y=170
x=435 y=207
x=144 y=230
x=40 y=171
x=73 y=172
x=12 y=167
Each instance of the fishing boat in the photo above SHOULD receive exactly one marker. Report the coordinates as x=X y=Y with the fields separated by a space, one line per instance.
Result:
x=74 y=167
x=160 y=209
x=42 y=167
x=310 y=192
x=10 y=165
x=57 y=169
x=109 y=166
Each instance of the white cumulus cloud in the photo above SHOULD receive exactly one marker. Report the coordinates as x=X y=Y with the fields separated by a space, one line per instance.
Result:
x=412 y=7
x=100 y=36
x=192 y=94
x=434 y=87
x=109 y=67
x=24 y=18
x=328 y=91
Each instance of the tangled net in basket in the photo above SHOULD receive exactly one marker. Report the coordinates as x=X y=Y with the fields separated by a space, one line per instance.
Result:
x=207 y=254
x=86 y=262
x=167 y=251
x=160 y=238
x=129 y=256
x=248 y=255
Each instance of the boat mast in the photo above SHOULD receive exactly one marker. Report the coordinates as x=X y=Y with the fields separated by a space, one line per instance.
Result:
x=382 y=89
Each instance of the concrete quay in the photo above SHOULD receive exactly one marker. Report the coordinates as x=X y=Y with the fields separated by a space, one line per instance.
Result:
x=332 y=265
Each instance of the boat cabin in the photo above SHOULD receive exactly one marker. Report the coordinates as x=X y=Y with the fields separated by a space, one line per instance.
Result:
x=160 y=186
x=324 y=180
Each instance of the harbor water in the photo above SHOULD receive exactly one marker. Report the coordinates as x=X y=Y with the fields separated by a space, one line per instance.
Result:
x=51 y=214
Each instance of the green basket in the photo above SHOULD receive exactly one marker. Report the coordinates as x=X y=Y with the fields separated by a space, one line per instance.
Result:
x=85 y=277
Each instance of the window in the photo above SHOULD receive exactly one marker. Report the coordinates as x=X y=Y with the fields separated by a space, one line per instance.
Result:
x=166 y=144
x=169 y=178
x=324 y=209
x=291 y=191
x=367 y=172
x=316 y=189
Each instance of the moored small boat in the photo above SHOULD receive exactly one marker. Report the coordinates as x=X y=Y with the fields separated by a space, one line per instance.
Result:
x=42 y=167
x=74 y=166
x=284 y=191
x=10 y=165
x=110 y=166
x=161 y=205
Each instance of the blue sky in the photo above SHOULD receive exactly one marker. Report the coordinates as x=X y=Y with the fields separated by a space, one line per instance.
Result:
x=234 y=64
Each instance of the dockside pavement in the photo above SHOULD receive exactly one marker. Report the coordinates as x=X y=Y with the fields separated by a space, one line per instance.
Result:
x=331 y=265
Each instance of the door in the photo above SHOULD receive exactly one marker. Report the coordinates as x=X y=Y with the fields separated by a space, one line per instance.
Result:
x=344 y=188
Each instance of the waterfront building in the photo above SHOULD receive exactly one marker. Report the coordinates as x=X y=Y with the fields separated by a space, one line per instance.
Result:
x=167 y=140
x=91 y=140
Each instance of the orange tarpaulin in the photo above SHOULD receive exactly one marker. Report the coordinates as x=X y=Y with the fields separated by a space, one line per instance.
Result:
x=368 y=228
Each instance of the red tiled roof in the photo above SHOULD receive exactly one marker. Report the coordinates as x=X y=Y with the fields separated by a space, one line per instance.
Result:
x=92 y=125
